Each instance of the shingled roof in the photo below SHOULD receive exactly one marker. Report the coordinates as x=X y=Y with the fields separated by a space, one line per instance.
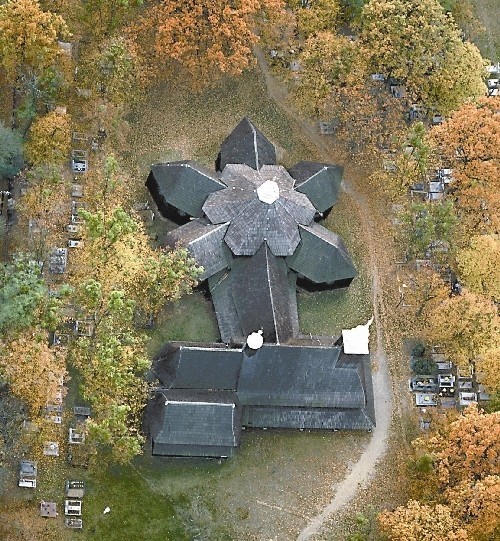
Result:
x=260 y=206
x=204 y=241
x=319 y=181
x=187 y=367
x=198 y=424
x=184 y=185
x=299 y=376
x=246 y=144
x=322 y=257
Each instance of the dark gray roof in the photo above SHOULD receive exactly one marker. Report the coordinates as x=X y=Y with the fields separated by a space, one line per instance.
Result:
x=319 y=181
x=186 y=367
x=205 y=244
x=247 y=144
x=260 y=290
x=318 y=418
x=201 y=419
x=220 y=286
x=322 y=256
x=254 y=221
x=184 y=185
x=257 y=293
x=295 y=376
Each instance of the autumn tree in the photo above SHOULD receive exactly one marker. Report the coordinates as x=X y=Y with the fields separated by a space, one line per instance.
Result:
x=428 y=228
x=49 y=141
x=468 y=449
x=117 y=250
x=32 y=369
x=206 y=38
x=421 y=522
x=488 y=369
x=478 y=265
x=28 y=45
x=43 y=211
x=469 y=142
x=466 y=325
x=111 y=361
x=416 y=42
x=316 y=16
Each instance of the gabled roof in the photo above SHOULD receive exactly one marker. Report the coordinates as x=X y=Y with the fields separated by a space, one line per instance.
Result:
x=185 y=367
x=195 y=419
x=260 y=290
x=184 y=185
x=322 y=256
x=204 y=241
x=294 y=376
x=220 y=286
x=309 y=418
x=319 y=181
x=247 y=144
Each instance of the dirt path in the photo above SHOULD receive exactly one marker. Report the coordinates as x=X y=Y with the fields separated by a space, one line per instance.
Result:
x=361 y=472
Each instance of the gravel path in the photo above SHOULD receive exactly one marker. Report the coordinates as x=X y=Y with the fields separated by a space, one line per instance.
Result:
x=362 y=471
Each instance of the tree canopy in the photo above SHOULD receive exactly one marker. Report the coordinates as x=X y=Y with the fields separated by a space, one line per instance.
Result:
x=206 y=38
x=417 y=42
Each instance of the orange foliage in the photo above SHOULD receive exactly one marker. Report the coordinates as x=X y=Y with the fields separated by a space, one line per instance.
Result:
x=470 y=143
x=207 y=38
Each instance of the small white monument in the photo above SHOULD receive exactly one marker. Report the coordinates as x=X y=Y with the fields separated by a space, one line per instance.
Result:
x=255 y=340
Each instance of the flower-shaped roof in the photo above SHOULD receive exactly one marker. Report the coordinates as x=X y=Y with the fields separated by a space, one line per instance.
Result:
x=260 y=206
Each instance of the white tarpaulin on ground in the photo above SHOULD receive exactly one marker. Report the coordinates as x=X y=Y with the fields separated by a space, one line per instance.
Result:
x=356 y=340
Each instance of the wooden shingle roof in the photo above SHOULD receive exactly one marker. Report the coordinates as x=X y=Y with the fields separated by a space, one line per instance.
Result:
x=184 y=185
x=319 y=181
x=322 y=257
x=204 y=241
x=246 y=144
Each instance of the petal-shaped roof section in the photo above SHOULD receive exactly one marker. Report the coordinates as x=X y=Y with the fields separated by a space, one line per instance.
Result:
x=258 y=214
x=246 y=144
x=322 y=257
x=319 y=181
x=184 y=185
x=205 y=243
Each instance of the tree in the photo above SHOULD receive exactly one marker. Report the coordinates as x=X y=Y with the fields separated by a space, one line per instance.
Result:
x=488 y=369
x=32 y=369
x=428 y=228
x=420 y=522
x=22 y=292
x=478 y=265
x=466 y=325
x=43 y=211
x=317 y=16
x=11 y=152
x=476 y=503
x=28 y=37
x=117 y=250
x=468 y=449
x=469 y=142
x=29 y=49
x=112 y=361
x=416 y=42
x=206 y=38
x=49 y=141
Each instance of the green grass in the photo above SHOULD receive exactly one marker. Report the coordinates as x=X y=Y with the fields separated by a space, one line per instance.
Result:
x=328 y=312
x=137 y=512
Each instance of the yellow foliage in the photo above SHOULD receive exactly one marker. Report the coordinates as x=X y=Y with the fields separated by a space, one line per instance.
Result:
x=488 y=369
x=419 y=522
x=49 y=141
x=28 y=36
x=32 y=369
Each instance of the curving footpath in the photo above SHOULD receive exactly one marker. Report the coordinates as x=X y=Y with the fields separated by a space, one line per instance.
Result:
x=361 y=472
